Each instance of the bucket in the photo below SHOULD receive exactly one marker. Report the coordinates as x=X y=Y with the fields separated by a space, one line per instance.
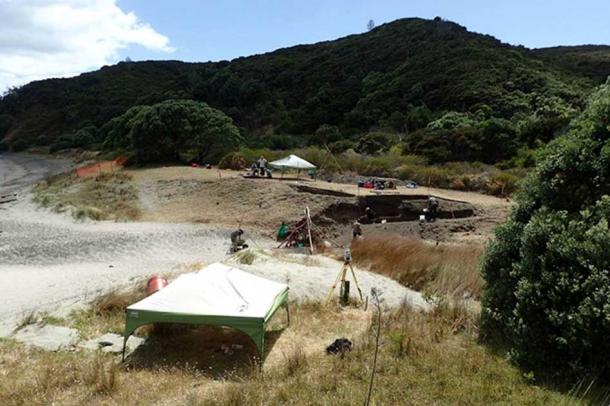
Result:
x=155 y=283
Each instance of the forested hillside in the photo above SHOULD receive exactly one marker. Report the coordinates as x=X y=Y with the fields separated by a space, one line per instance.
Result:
x=592 y=61
x=447 y=93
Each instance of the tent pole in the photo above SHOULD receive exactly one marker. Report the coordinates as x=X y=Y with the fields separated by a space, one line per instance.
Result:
x=288 y=313
x=124 y=345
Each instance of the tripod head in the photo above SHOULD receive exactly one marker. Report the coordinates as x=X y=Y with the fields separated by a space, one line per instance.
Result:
x=347 y=256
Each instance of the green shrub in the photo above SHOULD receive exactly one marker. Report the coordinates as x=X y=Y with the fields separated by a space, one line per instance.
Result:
x=18 y=145
x=233 y=160
x=548 y=269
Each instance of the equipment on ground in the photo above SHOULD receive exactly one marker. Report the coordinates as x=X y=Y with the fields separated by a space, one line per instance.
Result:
x=256 y=171
x=300 y=234
x=345 y=284
x=155 y=283
x=217 y=295
x=339 y=346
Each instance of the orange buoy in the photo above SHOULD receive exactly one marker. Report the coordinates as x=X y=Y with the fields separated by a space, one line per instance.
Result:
x=155 y=283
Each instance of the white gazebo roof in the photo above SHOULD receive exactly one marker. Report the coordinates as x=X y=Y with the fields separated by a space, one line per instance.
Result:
x=292 y=161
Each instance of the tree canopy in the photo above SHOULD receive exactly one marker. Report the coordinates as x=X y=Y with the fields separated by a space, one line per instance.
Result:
x=548 y=269
x=164 y=131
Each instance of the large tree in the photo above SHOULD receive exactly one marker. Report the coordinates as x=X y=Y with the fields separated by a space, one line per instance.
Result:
x=548 y=269
x=164 y=131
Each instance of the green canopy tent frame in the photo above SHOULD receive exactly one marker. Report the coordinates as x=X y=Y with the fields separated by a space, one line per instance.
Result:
x=254 y=327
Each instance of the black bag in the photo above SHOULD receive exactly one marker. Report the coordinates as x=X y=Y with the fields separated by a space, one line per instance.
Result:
x=339 y=346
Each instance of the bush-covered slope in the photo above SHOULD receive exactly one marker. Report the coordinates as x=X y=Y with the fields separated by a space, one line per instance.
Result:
x=592 y=61
x=356 y=83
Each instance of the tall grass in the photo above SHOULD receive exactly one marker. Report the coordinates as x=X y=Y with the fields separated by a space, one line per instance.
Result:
x=424 y=358
x=107 y=196
x=442 y=269
x=470 y=176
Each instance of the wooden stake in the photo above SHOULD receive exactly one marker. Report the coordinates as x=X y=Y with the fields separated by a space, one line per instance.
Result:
x=309 y=228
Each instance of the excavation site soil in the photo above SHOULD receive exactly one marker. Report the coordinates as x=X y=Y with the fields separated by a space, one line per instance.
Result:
x=48 y=259
x=204 y=196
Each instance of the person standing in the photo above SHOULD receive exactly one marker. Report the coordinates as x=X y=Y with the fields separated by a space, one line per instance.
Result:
x=356 y=229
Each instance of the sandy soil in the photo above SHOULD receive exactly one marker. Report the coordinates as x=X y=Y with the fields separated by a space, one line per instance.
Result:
x=195 y=195
x=49 y=259
x=310 y=278
x=19 y=170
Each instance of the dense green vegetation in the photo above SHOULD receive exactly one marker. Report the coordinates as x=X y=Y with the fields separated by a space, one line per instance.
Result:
x=169 y=130
x=431 y=86
x=588 y=60
x=548 y=270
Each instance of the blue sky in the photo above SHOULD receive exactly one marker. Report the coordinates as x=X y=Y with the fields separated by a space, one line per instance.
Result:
x=216 y=30
x=60 y=38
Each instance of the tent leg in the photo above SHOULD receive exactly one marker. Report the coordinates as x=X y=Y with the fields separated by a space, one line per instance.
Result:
x=124 y=345
x=288 y=314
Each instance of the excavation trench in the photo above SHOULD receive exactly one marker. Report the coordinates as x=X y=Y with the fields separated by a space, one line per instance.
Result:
x=391 y=208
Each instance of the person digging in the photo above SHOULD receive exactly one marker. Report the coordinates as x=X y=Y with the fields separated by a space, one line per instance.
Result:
x=370 y=214
x=237 y=242
x=432 y=208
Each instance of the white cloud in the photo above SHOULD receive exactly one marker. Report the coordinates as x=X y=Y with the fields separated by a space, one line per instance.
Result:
x=46 y=38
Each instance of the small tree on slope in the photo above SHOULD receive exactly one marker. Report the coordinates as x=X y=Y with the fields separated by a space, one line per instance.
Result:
x=548 y=269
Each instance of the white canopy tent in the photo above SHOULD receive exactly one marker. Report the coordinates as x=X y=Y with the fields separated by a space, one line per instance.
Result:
x=216 y=295
x=292 y=162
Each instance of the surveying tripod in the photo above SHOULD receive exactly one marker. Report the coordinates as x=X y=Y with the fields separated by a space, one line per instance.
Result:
x=342 y=276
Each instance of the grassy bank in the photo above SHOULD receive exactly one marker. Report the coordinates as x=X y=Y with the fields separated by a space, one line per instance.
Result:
x=451 y=270
x=107 y=196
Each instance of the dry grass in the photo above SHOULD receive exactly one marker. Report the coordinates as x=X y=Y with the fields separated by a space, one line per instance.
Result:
x=107 y=196
x=106 y=313
x=442 y=269
x=429 y=358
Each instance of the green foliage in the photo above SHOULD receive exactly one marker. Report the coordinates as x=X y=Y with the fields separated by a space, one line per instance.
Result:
x=325 y=134
x=374 y=143
x=464 y=136
x=592 y=61
x=164 y=131
x=233 y=160
x=83 y=138
x=18 y=145
x=548 y=269
x=6 y=122
x=398 y=78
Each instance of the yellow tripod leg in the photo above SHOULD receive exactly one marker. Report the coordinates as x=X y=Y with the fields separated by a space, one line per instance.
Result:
x=332 y=289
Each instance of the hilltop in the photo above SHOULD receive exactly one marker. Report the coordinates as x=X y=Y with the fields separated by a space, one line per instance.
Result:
x=398 y=77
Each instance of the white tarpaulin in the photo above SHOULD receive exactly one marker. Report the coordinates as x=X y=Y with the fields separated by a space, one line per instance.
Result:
x=292 y=161
x=216 y=295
